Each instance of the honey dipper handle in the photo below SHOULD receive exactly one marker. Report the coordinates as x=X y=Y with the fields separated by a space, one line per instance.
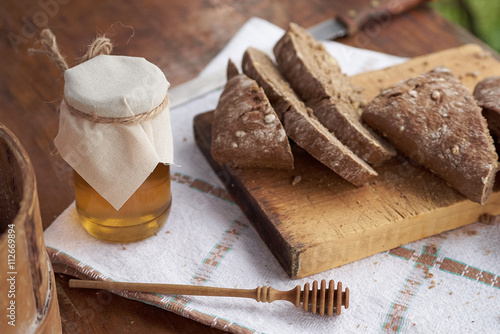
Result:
x=175 y=289
x=267 y=294
x=260 y=294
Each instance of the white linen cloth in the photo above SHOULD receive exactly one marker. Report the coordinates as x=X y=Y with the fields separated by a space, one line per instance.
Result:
x=115 y=159
x=446 y=283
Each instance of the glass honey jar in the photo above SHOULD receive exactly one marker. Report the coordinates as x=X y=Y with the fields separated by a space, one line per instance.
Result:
x=114 y=131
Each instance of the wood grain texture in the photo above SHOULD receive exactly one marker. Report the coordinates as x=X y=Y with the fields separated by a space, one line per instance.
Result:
x=181 y=37
x=323 y=221
x=28 y=287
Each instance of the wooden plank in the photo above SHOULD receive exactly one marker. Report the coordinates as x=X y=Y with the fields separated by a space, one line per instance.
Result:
x=323 y=221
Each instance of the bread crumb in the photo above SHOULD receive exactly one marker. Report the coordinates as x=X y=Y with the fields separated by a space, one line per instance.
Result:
x=427 y=273
x=184 y=139
x=234 y=145
x=442 y=69
x=471 y=233
x=484 y=54
x=472 y=74
x=123 y=247
x=296 y=179
x=487 y=219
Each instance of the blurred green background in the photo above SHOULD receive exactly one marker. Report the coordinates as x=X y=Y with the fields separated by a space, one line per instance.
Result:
x=480 y=17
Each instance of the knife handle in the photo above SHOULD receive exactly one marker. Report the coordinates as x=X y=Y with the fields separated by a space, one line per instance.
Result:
x=379 y=12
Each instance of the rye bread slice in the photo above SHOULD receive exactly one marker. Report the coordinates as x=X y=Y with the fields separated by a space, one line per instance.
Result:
x=300 y=123
x=246 y=132
x=434 y=119
x=317 y=79
x=487 y=94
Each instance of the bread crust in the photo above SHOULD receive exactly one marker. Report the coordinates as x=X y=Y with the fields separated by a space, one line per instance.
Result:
x=318 y=80
x=300 y=123
x=231 y=70
x=246 y=132
x=487 y=94
x=434 y=120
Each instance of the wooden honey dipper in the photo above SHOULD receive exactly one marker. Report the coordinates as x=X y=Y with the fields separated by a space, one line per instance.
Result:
x=320 y=300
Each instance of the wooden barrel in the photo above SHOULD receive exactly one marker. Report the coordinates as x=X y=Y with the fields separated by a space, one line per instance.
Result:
x=28 y=297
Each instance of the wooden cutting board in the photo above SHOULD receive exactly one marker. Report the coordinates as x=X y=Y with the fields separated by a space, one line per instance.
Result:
x=323 y=221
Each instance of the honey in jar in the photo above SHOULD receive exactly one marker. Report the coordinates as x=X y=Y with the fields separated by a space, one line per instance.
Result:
x=141 y=216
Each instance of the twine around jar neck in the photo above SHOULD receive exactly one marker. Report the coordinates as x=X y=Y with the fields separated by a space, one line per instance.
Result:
x=122 y=120
x=100 y=46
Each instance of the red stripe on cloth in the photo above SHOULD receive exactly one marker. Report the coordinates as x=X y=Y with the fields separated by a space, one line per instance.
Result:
x=202 y=186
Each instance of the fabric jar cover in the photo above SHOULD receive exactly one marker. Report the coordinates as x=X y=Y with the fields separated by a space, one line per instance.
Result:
x=114 y=158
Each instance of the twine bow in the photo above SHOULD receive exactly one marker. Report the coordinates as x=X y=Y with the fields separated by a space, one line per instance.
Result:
x=100 y=46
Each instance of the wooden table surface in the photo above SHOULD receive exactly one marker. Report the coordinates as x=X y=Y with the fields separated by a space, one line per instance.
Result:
x=181 y=37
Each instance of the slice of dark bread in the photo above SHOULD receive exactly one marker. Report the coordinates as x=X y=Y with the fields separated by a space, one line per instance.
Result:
x=487 y=94
x=301 y=125
x=317 y=79
x=246 y=132
x=434 y=119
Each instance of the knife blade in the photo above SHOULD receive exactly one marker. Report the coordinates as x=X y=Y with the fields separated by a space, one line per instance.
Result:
x=379 y=12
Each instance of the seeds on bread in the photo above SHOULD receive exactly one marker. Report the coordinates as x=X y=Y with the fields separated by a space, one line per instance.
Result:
x=300 y=123
x=318 y=80
x=433 y=119
x=246 y=132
